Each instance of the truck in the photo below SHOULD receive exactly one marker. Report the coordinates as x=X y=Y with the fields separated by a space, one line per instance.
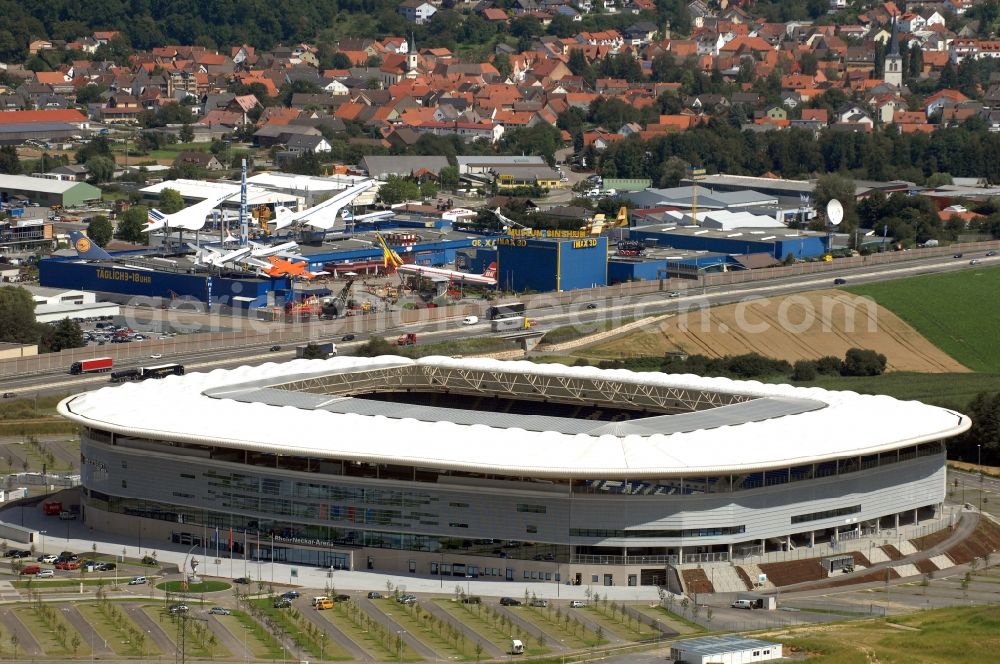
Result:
x=510 y=324
x=52 y=508
x=408 y=339
x=505 y=310
x=94 y=365
x=323 y=350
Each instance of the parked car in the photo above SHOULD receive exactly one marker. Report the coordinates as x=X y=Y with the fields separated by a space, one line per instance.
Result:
x=156 y=356
x=342 y=598
x=291 y=594
x=219 y=611
x=374 y=595
x=591 y=305
x=407 y=599
x=674 y=293
x=282 y=603
x=48 y=558
x=347 y=337
x=747 y=604
x=958 y=255
x=472 y=599
x=19 y=553
x=44 y=574
x=31 y=569
x=577 y=604
x=179 y=608
x=106 y=567
x=243 y=581
x=974 y=261
x=839 y=281
x=991 y=253
x=137 y=581
x=509 y=601
x=275 y=348
x=539 y=602
x=9 y=395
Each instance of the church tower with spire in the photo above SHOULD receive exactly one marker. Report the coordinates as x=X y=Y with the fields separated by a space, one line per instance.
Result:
x=892 y=66
x=411 y=58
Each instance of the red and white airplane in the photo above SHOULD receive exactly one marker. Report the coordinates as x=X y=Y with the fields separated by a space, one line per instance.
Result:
x=393 y=261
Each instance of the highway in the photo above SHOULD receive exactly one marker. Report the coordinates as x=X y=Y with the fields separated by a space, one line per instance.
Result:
x=692 y=300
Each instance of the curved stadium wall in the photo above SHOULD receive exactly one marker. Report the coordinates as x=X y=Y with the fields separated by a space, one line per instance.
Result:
x=500 y=469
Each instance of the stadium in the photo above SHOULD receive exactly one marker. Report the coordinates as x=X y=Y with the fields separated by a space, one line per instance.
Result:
x=503 y=470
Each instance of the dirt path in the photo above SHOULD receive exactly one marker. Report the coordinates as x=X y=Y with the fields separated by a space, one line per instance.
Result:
x=89 y=635
x=26 y=643
x=792 y=327
x=415 y=644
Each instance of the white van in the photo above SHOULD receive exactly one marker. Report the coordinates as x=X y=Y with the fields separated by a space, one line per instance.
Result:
x=748 y=604
x=319 y=600
x=470 y=320
x=516 y=647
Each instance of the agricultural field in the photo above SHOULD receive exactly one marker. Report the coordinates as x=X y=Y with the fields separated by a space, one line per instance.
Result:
x=956 y=312
x=939 y=636
x=804 y=326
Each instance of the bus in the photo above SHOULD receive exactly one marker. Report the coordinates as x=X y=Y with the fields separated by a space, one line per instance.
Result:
x=505 y=310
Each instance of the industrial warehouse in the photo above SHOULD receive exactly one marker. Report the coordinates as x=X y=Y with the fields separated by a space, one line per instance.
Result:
x=502 y=470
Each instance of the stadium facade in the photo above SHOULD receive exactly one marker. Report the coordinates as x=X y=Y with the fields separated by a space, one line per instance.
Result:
x=505 y=470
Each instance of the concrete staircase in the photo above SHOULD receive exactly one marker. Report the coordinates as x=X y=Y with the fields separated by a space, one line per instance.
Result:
x=725 y=579
x=753 y=571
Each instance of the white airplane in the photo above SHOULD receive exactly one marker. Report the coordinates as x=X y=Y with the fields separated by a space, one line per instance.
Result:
x=285 y=249
x=324 y=215
x=392 y=259
x=505 y=220
x=371 y=216
x=191 y=218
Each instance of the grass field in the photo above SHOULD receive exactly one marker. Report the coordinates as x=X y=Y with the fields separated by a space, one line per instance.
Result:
x=939 y=389
x=203 y=587
x=956 y=312
x=941 y=636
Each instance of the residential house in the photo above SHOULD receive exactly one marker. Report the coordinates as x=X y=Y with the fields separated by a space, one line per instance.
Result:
x=417 y=11
x=203 y=160
x=121 y=109
x=300 y=143
x=941 y=99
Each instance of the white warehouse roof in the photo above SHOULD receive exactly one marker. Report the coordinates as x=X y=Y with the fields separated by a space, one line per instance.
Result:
x=220 y=410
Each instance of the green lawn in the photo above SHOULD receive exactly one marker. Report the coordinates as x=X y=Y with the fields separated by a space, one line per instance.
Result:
x=940 y=637
x=957 y=312
x=194 y=588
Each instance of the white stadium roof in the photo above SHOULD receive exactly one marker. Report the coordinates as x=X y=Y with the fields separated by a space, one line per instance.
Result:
x=221 y=408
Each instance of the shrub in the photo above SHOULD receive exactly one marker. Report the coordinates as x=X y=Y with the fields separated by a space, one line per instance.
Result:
x=828 y=365
x=804 y=370
x=862 y=362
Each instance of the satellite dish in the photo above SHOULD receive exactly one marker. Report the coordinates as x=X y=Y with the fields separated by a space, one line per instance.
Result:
x=834 y=212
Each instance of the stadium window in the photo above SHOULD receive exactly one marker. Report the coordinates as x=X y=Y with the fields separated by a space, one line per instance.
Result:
x=533 y=509
x=458 y=504
x=593 y=578
x=827 y=514
x=531 y=529
x=124 y=463
x=527 y=575
x=124 y=484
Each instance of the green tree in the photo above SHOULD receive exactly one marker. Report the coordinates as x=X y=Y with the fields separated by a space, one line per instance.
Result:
x=100 y=169
x=186 y=134
x=17 y=316
x=100 y=230
x=97 y=146
x=9 y=161
x=132 y=224
x=449 y=178
x=375 y=347
x=397 y=189
x=89 y=94
x=170 y=201
x=863 y=362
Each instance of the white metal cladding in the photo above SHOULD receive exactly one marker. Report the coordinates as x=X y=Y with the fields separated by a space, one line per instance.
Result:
x=177 y=408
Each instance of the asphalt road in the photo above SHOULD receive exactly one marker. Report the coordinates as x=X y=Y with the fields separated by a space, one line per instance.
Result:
x=577 y=313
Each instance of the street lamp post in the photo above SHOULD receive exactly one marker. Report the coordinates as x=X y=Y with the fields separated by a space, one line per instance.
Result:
x=42 y=533
x=979 y=463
